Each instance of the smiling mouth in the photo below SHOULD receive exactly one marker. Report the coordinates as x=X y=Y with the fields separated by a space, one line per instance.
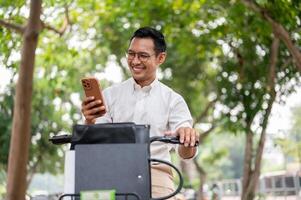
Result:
x=138 y=68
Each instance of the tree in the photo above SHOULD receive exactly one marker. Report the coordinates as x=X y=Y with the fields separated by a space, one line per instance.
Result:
x=229 y=59
x=199 y=34
x=249 y=82
x=20 y=137
x=16 y=184
x=289 y=17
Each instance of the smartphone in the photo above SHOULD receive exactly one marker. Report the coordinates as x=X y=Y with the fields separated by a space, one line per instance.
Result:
x=92 y=88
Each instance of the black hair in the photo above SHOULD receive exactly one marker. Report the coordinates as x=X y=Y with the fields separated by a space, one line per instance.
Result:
x=155 y=35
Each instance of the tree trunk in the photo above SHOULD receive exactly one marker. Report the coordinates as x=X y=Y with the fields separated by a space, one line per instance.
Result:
x=199 y=169
x=249 y=187
x=247 y=169
x=20 y=138
x=202 y=176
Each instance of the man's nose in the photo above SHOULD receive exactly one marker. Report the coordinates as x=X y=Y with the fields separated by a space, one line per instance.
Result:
x=136 y=59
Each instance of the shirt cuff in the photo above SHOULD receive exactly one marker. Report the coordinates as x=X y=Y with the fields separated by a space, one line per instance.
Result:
x=184 y=124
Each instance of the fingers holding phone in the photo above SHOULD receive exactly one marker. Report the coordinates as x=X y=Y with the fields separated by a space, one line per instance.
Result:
x=93 y=105
x=92 y=109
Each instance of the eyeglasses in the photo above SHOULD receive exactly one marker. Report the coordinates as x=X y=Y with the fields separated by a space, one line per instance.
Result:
x=143 y=57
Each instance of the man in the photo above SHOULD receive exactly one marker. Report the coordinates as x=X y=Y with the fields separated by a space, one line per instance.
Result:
x=144 y=100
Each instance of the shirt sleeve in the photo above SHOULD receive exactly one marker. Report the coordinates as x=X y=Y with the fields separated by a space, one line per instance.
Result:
x=179 y=114
x=180 y=117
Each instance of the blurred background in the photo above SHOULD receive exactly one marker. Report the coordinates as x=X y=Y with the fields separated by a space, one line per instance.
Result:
x=237 y=64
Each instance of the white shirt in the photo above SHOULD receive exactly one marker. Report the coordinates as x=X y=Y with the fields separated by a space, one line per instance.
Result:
x=156 y=105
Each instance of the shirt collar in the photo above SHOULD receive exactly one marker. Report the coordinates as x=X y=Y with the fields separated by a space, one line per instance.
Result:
x=146 y=89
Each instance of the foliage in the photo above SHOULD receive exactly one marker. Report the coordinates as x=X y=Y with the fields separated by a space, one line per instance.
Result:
x=220 y=158
x=56 y=89
x=216 y=48
x=243 y=78
x=5 y=125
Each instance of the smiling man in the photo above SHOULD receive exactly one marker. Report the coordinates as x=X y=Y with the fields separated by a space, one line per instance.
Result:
x=145 y=100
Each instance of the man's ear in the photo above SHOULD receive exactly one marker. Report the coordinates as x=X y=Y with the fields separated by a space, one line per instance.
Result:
x=161 y=57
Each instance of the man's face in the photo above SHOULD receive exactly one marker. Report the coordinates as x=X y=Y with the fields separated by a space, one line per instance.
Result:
x=143 y=61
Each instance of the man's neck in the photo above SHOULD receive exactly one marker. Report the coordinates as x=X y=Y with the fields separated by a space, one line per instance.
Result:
x=145 y=83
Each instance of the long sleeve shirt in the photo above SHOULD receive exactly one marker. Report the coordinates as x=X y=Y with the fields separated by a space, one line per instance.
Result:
x=155 y=104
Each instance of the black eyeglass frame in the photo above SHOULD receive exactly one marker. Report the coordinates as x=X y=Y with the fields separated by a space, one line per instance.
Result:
x=142 y=56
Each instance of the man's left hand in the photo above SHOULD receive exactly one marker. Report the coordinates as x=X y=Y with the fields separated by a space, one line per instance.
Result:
x=188 y=136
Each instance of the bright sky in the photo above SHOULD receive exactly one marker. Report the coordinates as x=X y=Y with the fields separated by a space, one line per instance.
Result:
x=5 y=76
x=281 y=114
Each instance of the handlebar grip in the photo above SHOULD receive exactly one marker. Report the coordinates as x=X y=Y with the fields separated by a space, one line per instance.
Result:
x=169 y=139
x=176 y=140
x=60 y=139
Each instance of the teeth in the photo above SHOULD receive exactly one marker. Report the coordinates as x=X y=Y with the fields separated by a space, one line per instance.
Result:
x=138 y=68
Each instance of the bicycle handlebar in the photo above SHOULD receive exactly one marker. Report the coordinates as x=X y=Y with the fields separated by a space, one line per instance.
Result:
x=169 y=139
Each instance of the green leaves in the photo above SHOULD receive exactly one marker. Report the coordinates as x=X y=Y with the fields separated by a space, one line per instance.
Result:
x=216 y=49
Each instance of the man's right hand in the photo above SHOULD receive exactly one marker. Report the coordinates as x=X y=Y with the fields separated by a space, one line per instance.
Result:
x=92 y=109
